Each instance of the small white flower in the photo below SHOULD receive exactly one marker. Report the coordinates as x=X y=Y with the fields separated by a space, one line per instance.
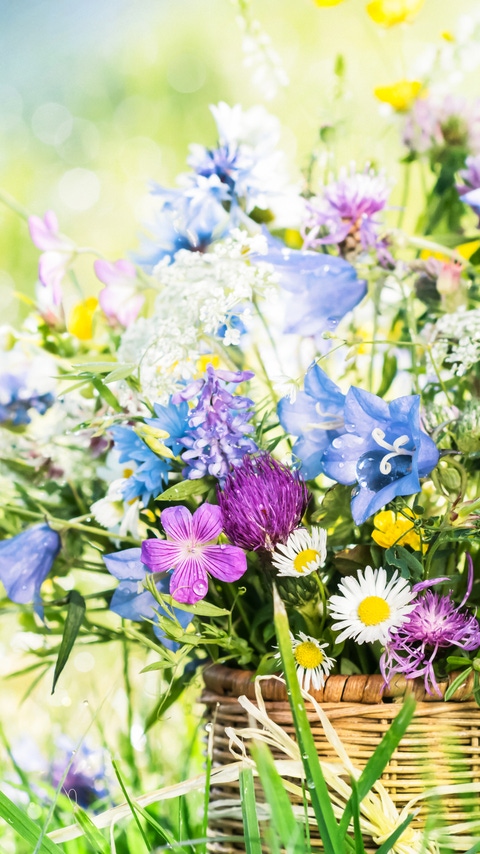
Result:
x=303 y=553
x=369 y=607
x=311 y=662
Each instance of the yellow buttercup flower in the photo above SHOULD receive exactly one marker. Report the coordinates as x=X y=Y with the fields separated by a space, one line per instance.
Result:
x=327 y=2
x=396 y=530
x=80 y=323
x=208 y=359
x=400 y=95
x=388 y=13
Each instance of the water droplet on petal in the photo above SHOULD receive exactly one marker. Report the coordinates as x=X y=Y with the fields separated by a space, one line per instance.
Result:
x=200 y=588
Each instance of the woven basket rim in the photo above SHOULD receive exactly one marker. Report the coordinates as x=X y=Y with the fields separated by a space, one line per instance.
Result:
x=226 y=681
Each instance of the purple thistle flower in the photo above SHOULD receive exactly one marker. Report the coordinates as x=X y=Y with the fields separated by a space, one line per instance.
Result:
x=216 y=437
x=189 y=551
x=435 y=124
x=347 y=207
x=435 y=624
x=262 y=503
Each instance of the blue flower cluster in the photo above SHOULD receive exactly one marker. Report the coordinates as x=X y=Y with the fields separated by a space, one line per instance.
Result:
x=359 y=440
x=216 y=438
x=16 y=399
x=150 y=474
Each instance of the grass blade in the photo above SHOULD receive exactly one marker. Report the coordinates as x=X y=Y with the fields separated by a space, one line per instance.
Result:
x=380 y=758
x=25 y=827
x=316 y=785
x=386 y=847
x=283 y=820
x=359 y=846
x=92 y=834
x=73 y=621
x=249 y=812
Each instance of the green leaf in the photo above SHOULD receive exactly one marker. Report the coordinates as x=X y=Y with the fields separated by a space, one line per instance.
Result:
x=25 y=827
x=459 y=680
x=106 y=394
x=249 y=812
x=387 y=846
x=120 y=373
x=389 y=373
x=91 y=832
x=185 y=489
x=408 y=565
x=333 y=842
x=74 y=619
x=283 y=819
x=380 y=758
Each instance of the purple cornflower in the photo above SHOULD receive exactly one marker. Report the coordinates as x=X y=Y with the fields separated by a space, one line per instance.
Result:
x=433 y=125
x=435 y=624
x=262 y=503
x=190 y=552
x=347 y=208
x=216 y=437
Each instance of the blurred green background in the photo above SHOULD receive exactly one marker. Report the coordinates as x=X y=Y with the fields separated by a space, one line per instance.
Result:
x=99 y=98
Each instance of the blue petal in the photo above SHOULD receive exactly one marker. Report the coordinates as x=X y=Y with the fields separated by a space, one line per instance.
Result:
x=26 y=560
x=125 y=564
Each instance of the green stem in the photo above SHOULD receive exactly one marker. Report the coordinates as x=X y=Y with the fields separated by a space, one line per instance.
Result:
x=14 y=206
x=266 y=377
x=53 y=521
x=128 y=690
x=405 y=194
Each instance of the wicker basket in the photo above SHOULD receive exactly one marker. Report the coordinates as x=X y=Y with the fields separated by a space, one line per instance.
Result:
x=441 y=746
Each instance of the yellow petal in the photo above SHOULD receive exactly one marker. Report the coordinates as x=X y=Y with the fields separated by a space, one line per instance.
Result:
x=81 y=319
x=327 y=2
x=466 y=250
x=388 y=13
x=204 y=361
x=400 y=95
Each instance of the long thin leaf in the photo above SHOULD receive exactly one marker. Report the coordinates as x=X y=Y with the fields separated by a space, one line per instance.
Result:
x=25 y=827
x=319 y=794
x=380 y=758
x=359 y=846
x=74 y=619
x=253 y=844
x=386 y=847
x=283 y=820
x=92 y=834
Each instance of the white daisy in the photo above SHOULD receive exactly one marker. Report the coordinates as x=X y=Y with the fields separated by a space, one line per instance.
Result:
x=369 y=607
x=302 y=554
x=312 y=664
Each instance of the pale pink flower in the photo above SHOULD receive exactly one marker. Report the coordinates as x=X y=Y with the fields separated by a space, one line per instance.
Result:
x=119 y=300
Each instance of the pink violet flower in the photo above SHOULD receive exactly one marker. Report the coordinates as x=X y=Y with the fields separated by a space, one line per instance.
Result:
x=119 y=300
x=57 y=252
x=436 y=625
x=189 y=550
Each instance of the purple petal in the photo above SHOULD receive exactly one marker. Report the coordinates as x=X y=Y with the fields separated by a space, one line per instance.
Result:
x=189 y=582
x=115 y=272
x=161 y=555
x=177 y=523
x=227 y=563
x=52 y=267
x=207 y=523
x=44 y=232
x=422 y=585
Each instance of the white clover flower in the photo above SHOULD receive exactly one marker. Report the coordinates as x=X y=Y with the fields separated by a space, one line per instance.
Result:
x=302 y=554
x=370 y=608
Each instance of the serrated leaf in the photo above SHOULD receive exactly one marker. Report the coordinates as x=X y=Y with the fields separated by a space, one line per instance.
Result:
x=74 y=619
x=185 y=489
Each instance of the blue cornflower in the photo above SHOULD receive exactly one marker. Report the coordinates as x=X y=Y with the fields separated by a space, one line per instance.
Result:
x=384 y=451
x=26 y=560
x=173 y=419
x=131 y=600
x=322 y=288
x=315 y=416
x=151 y=472
x=190 y=219
x=86 y=780
x=16 y=398
x=216 y=437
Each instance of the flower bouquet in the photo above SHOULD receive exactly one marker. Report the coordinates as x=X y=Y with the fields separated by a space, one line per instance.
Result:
x=278 y=392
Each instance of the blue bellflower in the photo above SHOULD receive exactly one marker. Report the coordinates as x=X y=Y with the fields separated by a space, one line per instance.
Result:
x=16 y=399
x=316 y=417
x=216 y=438
x=26 y=560
x=384 y=451
x=131 y=601
x=151 y=473
x=321 y=288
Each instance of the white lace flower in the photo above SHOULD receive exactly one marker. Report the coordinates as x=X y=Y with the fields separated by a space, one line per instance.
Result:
x=370 y=608
x=303 y=553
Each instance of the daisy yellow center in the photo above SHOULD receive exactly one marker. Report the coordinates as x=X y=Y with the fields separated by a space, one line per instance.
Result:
x=308 y=655
x=373 y=610
x=304 y=558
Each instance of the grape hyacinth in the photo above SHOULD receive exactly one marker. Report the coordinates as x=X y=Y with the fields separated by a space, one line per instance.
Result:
x=262 y=502
x=216 y=437
x=435 y=625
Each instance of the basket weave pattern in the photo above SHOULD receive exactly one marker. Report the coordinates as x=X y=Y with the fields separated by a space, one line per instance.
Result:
x=441 y=746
